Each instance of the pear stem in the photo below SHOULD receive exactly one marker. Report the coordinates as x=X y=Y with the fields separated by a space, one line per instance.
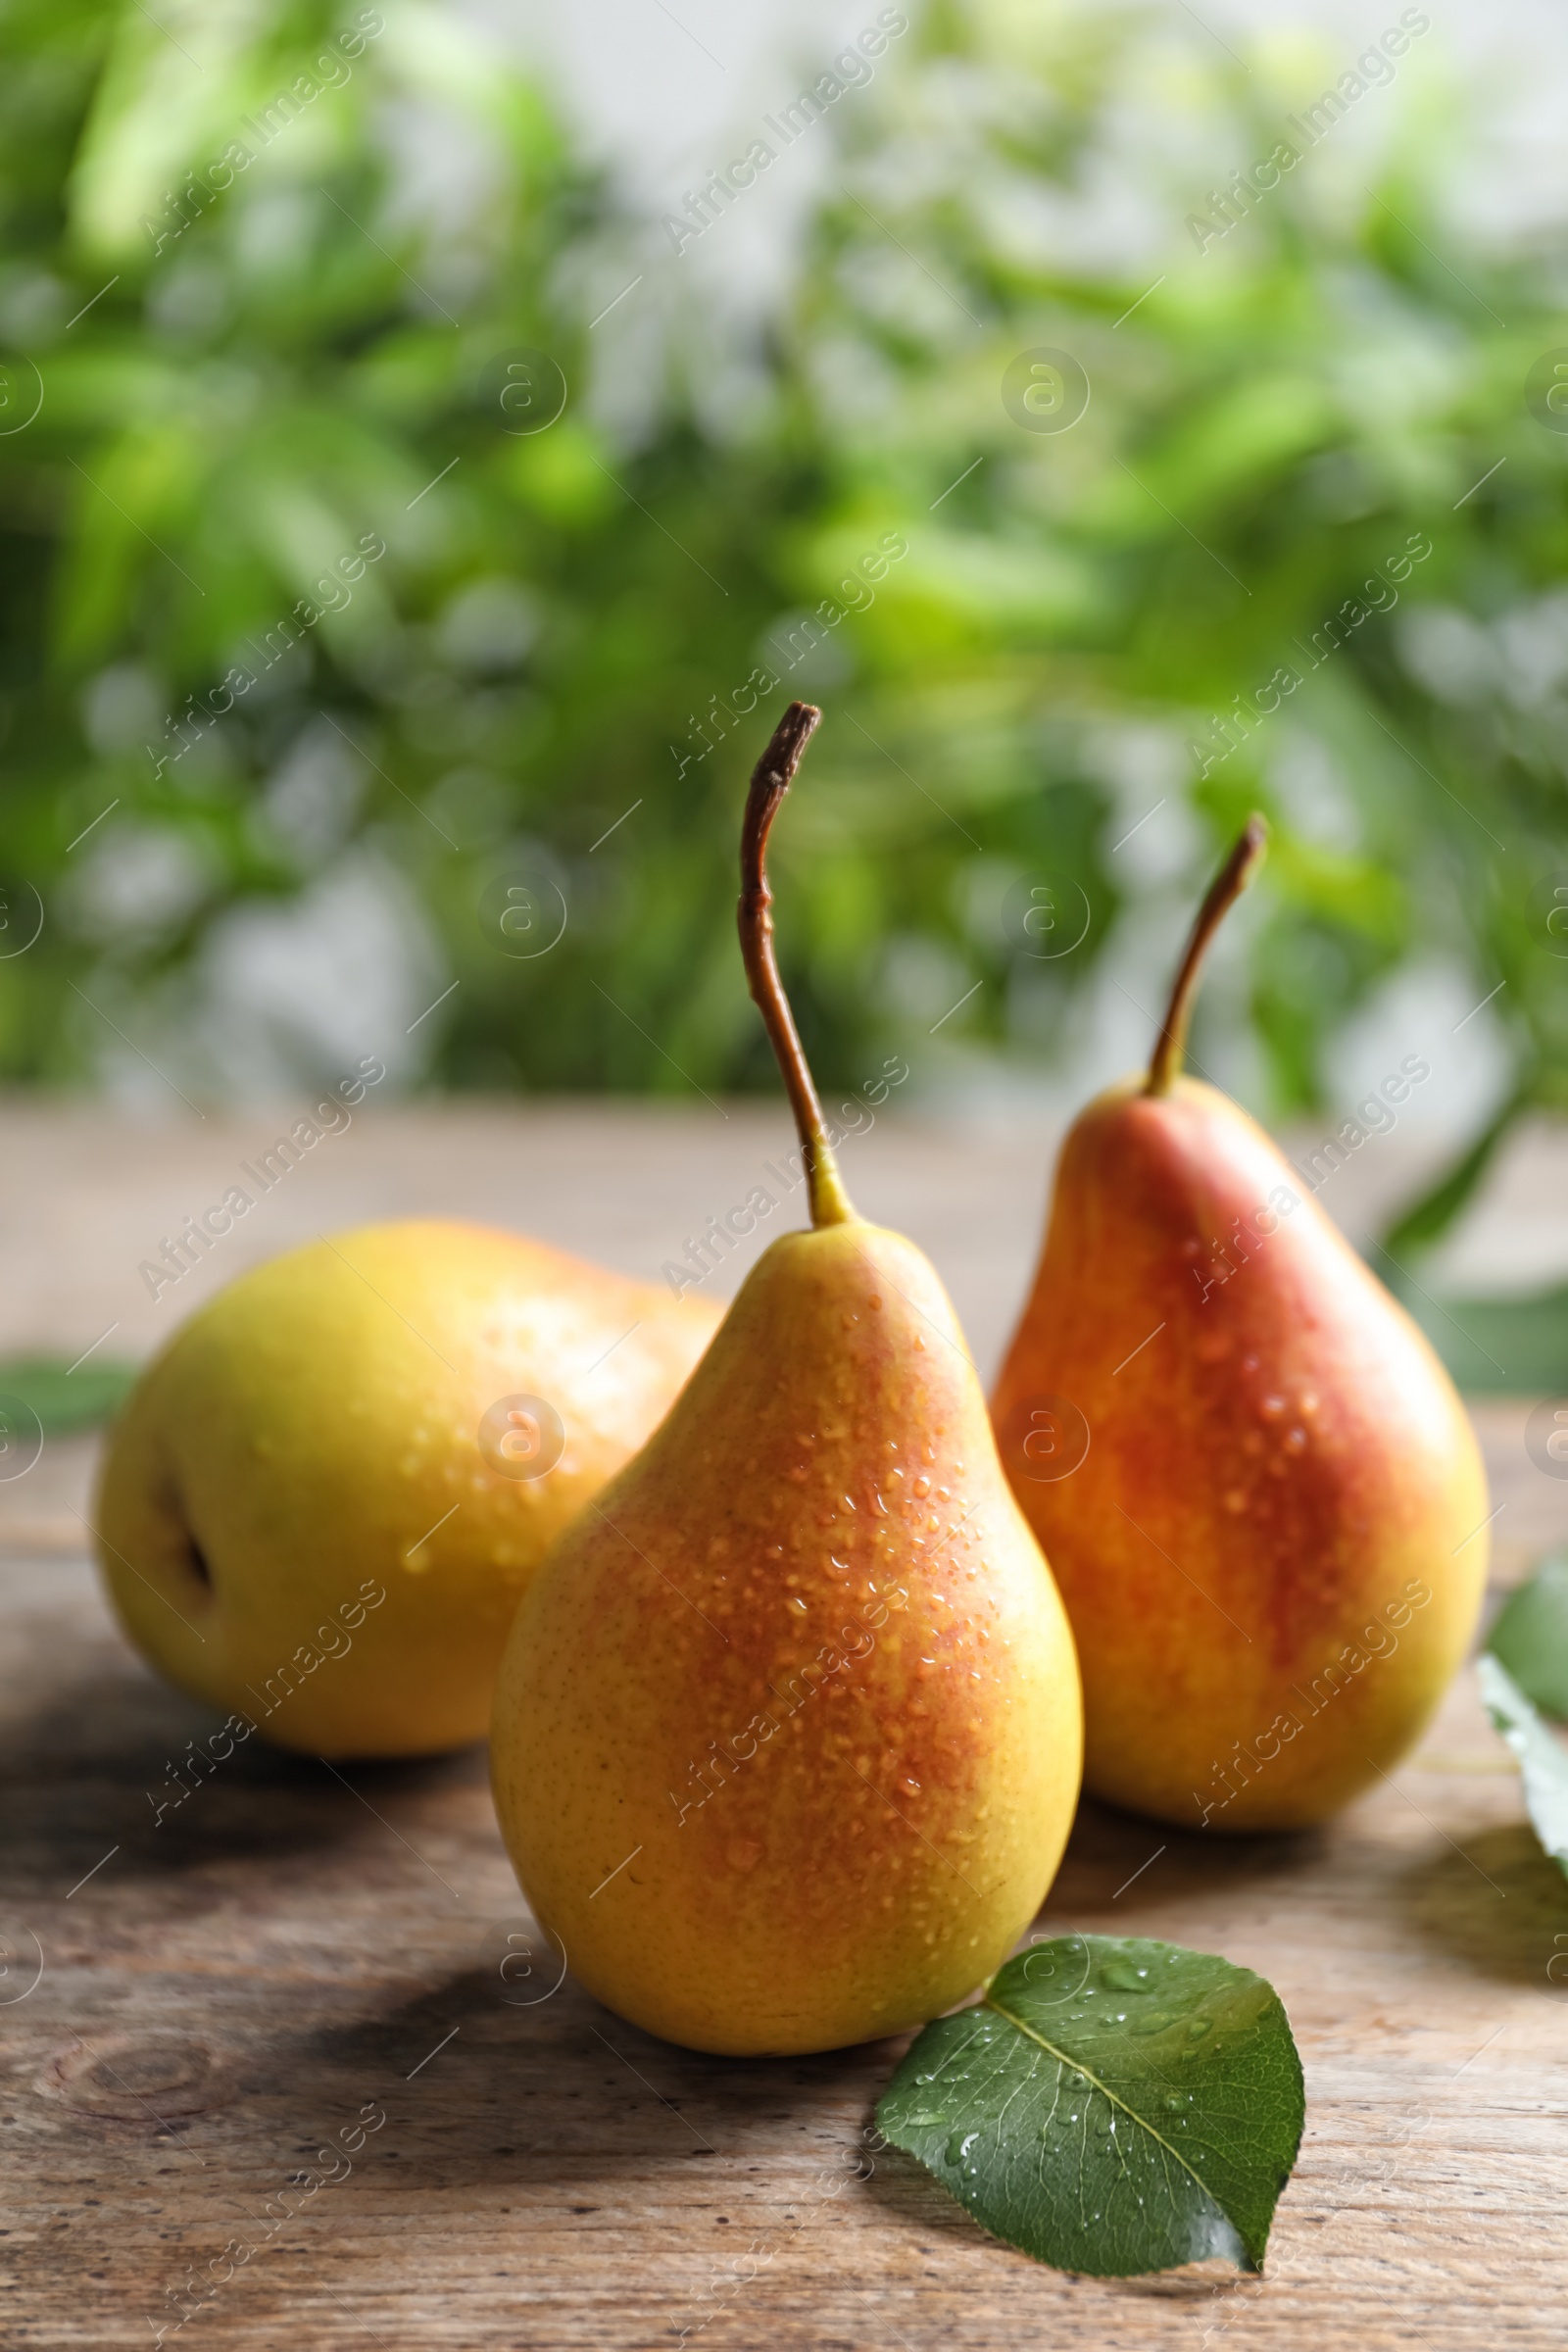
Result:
x=771 y=779
x=1223 y=892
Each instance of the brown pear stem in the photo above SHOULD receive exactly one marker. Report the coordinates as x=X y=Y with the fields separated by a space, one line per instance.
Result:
x=771 y=779
x=1223 y=892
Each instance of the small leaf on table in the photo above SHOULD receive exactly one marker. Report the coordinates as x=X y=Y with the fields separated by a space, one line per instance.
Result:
x=1542 y=1759
x=1531 y=1637
x=1112 y=2106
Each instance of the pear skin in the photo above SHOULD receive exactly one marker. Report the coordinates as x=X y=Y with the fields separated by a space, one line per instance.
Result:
x=1274 y=1548
x=310 y=1439
x=786 y=1735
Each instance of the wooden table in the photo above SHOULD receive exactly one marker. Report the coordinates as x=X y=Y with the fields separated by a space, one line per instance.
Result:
x=295 y=1955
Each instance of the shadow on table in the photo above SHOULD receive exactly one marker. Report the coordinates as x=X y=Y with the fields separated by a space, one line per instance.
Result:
x=477 y=2089
x=1136 y=1864
x=1495 y=1903
x=104 y=1762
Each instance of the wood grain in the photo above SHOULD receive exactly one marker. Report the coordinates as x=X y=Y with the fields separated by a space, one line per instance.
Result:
x=293 y=1952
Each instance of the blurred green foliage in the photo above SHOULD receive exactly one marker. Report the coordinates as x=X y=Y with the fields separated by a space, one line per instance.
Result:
x=46 y=1393
x=273 y=372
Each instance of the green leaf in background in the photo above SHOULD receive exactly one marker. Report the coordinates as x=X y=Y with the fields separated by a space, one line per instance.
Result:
x=1112 y=2106
x=65 y=1399
x=1531 y=1637
x=1503 y=1347
x=1428 y=1219
x=1543 y=1760
x=549 y=669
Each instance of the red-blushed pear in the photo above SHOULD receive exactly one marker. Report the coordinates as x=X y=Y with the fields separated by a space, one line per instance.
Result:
x=787 y=1736
x=1260 y=1495
x=324 y=1496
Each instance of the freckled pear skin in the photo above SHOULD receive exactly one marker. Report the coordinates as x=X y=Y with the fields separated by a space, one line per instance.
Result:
x=1273 y=1482
x=840 y=1741
x=788 y=1733
x=317 y=1418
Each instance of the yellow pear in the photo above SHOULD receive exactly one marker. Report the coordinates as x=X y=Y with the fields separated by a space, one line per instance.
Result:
x=786 y=1735
x=325 y=1495
x=1261 y=1496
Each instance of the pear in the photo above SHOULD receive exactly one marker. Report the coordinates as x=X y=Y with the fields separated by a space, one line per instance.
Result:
x=1261 y=1496
x=786 y=1735
x=325 y=1495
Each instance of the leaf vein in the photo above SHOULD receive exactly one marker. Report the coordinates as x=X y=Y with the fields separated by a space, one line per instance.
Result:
x=1106 y=2092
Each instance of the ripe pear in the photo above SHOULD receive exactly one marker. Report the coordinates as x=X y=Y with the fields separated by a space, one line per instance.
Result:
x=787 y=1736
x=1261 y=1496
x=325 y=1495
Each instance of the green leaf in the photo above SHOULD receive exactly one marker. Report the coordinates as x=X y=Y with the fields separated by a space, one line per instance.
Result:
x=1504 y=1346
x=1543 y=1760
x=1531 y=1637
x=1112 y=2106
x=65 y=1399
x=1428 y=1219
